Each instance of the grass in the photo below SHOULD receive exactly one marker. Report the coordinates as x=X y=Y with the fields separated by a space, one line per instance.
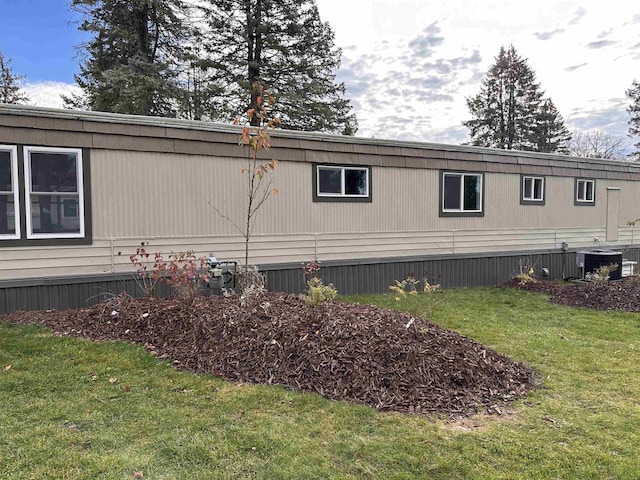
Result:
x=73 y=409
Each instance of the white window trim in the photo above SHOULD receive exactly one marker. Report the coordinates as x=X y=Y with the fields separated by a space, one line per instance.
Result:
x=342 y=181
x=461 y=175
x=13 y=152
x=593 y=191
x=532 y=198
x=28 y=192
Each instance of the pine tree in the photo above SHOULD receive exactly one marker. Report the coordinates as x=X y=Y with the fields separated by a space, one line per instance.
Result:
x=135 y=58
x=634 y=122
x=284 y=45
x=510 y=112
x=10 y=89
x=550 y=134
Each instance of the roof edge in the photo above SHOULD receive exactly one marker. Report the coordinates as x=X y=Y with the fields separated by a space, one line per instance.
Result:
x=106 y=117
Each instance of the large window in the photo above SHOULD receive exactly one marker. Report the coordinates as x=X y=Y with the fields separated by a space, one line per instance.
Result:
x=532 y=190
x=9 y=212
x=54 y=192
x=341 y=183
x=585 y=192
x=461 y=194
x=43 y=197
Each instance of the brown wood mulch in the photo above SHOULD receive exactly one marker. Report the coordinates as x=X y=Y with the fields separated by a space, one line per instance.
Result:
x=623 y=295
x=342 y=351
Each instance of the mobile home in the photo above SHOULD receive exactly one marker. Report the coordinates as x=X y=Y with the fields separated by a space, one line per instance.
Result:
x=79 y=192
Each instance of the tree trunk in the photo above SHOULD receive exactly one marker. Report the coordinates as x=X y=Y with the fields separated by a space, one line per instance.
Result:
x=254 y=55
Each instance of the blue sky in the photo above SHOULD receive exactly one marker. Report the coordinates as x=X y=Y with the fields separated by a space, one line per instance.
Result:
x=38 y=37
x=408 y=65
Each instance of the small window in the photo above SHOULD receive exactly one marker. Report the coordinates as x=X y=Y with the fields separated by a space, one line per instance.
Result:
x=54 y=194
x=532 y=190
x=338 y=183
x=585 y=192
x=461 y=194
x=9 y=211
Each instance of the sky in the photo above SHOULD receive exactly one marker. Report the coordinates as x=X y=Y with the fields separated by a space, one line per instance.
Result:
x=408 y=66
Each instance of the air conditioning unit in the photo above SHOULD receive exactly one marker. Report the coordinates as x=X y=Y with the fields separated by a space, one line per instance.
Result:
x=588 y=261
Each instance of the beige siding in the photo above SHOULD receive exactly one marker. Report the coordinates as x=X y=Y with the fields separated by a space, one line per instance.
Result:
x=102 y=256
x=164 y=199
x=137 y=194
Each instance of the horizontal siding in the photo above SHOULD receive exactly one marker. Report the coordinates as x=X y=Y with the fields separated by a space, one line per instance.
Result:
x=491 y=241
x=383 y=244
x=103 y=256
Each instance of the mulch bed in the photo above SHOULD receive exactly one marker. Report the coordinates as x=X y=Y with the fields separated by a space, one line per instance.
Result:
x=343 y=351
x=621 y=295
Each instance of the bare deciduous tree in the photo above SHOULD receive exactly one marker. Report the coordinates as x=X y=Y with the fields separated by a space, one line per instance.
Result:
x=596 y=144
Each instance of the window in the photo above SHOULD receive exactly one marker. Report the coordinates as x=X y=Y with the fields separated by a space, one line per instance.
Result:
x=461 y=194
x=585 y=192
x=53 y=192
x=44 y=196
x=342 y=184
x=532 y=190
x=9 y=208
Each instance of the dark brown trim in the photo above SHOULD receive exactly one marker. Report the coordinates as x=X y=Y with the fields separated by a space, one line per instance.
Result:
x=340 y=199
x=23 y=241
x=96 y=130
x=575 y=193
x=460 y=213
x=524 y=201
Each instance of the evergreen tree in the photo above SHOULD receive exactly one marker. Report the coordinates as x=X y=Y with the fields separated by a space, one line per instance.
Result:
x=10 y=89
x=135 y=58
x=550 y=134
x=634 y=122
x=284 y=45
x=510 y=112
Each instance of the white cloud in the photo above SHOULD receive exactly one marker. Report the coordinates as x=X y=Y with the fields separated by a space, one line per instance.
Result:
x=47 y=94
x=582 y=52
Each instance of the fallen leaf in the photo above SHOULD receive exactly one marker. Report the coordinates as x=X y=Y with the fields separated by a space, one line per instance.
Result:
x=7 y=368
x=113 y=380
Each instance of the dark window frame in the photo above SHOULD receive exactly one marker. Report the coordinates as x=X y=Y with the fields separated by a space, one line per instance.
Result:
x=462 y=212
x=317 y=197
x=15 y=191
x=584 y=203
x=530 y=201
x=52 y=240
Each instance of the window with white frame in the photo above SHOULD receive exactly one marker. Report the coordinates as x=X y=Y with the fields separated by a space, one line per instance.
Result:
x=54 y=192
x=461 y=194
x=9 y=207
x=342 y=183
x=585 y=192
x=532 y=190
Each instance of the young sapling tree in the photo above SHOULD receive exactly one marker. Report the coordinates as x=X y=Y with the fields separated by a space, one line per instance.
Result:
x=259 y=182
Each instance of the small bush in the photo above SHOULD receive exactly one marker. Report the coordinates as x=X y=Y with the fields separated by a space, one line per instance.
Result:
x=601 y=274
x=183 y=271
x=525 y=273
x=317 y=292
x=250 y=278
x=407 y=290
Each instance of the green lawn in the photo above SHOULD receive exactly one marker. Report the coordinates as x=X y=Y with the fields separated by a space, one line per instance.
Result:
x=72 y=409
